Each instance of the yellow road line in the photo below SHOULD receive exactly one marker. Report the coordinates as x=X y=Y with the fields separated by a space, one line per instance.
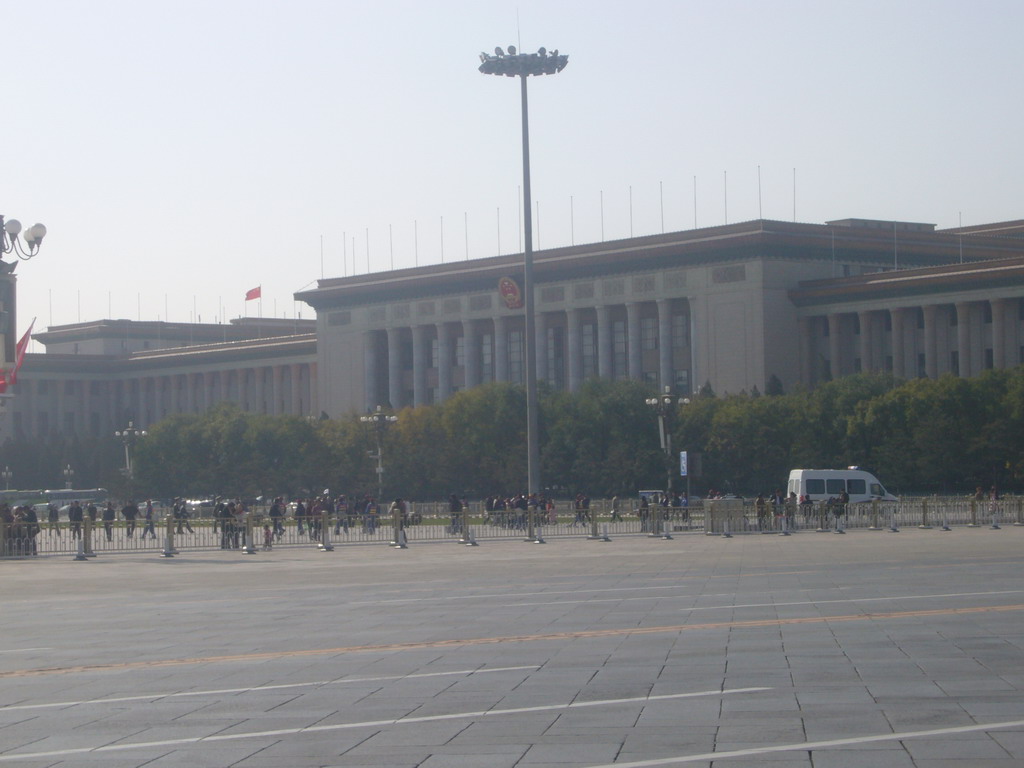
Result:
x=389 y=647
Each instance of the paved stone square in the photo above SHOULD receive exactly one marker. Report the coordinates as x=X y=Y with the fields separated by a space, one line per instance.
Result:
x=813 y=650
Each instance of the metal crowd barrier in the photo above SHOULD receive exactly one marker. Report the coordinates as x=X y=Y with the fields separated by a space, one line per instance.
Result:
x=258 y=531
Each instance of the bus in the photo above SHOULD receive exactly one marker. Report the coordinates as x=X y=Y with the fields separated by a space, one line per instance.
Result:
x=65 y=496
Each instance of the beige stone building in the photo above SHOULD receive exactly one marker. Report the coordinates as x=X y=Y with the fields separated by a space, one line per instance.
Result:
x=731 y=306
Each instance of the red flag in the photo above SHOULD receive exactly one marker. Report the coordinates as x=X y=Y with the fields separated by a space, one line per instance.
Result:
x=19 y=352
x=254 y=293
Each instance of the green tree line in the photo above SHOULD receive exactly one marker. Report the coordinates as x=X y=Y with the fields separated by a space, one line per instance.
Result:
x=943 y=435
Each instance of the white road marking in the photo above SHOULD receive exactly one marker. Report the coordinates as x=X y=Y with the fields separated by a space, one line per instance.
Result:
x=24 y=650
x=259 y=688
x=369 y=724
x=812 y=745
x=768 y=605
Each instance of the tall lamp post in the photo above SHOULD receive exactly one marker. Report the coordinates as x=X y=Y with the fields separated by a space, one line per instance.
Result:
x=129 y=436
x=522 y=65
x=664 y=404
x=380 y=420
x=69 y=477
x=7 y=475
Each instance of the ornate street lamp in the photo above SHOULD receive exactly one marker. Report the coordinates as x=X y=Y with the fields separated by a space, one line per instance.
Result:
x=24 y=247
x=522 y=65
x=129 y=436
x=380 y=420
x=69 y=475
x=665 y=404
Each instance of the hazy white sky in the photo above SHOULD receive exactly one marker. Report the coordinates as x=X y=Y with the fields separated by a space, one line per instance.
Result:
x=181 y=152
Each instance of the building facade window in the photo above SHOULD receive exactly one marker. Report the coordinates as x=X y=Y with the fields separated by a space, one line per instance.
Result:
x=620 y=365
x=648 y=333
x=556 y=358
x=588 y=349
x=680 y=331
x=516 y=357
x=682 y=381
x=486 y=358
x=460 y=351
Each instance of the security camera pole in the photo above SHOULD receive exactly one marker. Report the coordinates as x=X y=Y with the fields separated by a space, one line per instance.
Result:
x=522 y=65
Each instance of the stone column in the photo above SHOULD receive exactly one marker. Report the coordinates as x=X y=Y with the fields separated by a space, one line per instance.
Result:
x=604 y=342
x=633 y=343
x=369 y=376
x=444 y=363
x=963 y=338
x=259 y=375
x=501 y=348
x=864 y=318
x=998 y=333
x=899 y=364
x=931 y=349
x=419 y=365
x=575 y=349
x=804 y=332
x=277 y=391
x=471 y=342
x=314 y=389
x=395 y=367
x=834 y=345
x=296 y=375
x=665 y=343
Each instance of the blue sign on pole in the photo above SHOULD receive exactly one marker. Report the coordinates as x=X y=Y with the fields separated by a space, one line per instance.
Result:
x=682 y=463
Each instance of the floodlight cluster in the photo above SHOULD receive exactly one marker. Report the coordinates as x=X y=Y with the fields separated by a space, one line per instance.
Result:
x=514 y=64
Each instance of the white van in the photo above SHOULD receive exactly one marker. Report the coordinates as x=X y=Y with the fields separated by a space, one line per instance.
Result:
x=825 y=484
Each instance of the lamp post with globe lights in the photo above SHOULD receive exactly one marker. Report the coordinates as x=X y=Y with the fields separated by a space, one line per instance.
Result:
x=522 y=65
x=69 y=477
x=129 y=436
x=24 y=246
x=664 y=405
x=380 y=421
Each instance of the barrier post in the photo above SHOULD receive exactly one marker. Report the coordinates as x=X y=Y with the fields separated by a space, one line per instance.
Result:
x=87 y=536
x=593 y=526
x=249 y=548
x=924 y=515
x=325 y=532
x=1020 y=513
x=892 y=521
x=821 y=518
x=169 y=550
x=874 y=515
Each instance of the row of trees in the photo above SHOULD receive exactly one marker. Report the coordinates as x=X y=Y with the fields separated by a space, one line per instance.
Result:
x=945 y=436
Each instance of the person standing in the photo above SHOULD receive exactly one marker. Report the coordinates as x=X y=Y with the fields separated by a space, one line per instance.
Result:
x=130 y=512
x=109 y=515
x=75 y=518
x=148 y=516
x=53 y=519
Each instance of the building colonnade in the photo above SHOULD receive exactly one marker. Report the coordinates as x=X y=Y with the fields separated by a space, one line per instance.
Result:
x=417 y=364
x=95 y=404
x=962 y=337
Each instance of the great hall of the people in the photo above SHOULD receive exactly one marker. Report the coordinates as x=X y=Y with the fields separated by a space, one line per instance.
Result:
x=731 y=306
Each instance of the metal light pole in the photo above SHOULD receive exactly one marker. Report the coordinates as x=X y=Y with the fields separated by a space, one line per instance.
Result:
x=664 y=404
x=69 y=475
x=522 y=65
x=129 y=436
x=380 y=420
